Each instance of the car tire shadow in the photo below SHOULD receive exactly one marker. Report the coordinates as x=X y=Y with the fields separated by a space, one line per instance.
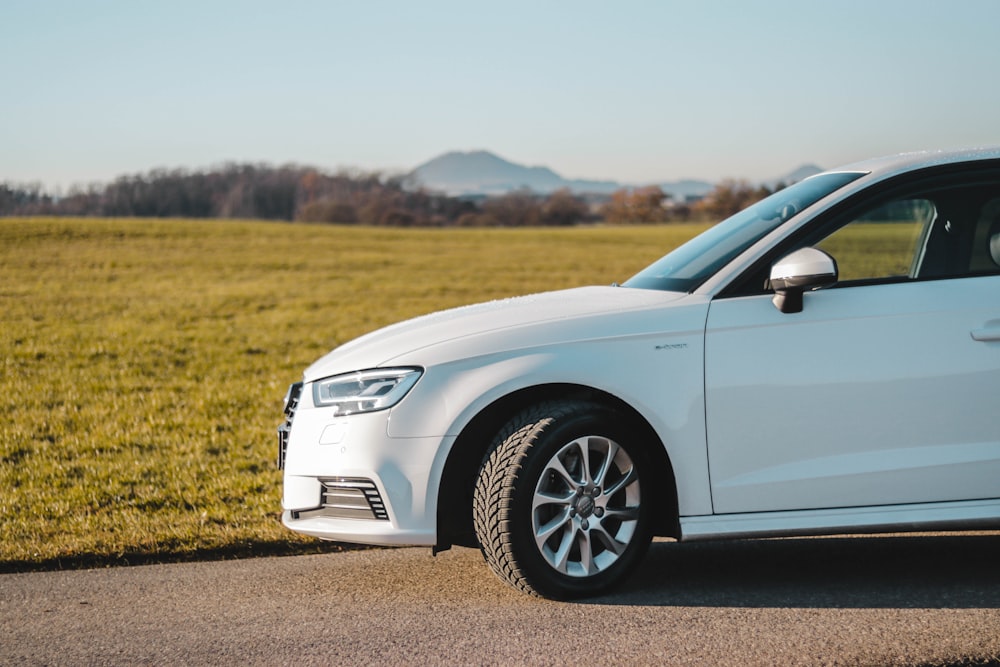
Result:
x=936 y=571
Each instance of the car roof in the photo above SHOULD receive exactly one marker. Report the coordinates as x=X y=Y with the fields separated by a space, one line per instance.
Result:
x=891 y=165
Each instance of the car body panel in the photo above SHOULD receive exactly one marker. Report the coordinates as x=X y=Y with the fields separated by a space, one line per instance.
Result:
x=468 y=372
x=326 y=447
x=516 y=322
x=967 y=515
x=873 y=395
x=668 y=350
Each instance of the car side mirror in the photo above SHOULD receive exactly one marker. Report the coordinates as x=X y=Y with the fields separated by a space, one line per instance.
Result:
x=792 y=275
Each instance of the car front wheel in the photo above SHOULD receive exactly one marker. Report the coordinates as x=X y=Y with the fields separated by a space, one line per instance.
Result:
x=559 y=503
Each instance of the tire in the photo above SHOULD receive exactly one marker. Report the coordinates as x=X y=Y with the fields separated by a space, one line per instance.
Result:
x=556 y=524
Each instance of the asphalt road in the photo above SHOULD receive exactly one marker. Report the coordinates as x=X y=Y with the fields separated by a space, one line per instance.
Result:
x=900 y=600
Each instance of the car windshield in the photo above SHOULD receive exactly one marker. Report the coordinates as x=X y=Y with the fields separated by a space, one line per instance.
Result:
x=691 y=264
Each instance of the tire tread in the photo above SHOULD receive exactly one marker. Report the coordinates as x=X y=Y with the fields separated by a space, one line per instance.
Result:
x=497 y=481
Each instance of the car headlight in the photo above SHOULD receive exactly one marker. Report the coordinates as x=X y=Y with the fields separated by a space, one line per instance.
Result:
x=364 y=391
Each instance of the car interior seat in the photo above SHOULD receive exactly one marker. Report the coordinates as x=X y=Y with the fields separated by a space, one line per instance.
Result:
x=994 y=236
x=986 y=252
x=938 y=251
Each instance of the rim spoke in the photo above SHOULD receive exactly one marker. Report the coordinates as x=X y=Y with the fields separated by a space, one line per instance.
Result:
x=627 y=479
x=560 y=559
x=622 y=513
x=546 y=497
x=586 y=553
x=606 y=463
x=557 y=523
x=582 y=446
x=556 y=466
x=609 y=542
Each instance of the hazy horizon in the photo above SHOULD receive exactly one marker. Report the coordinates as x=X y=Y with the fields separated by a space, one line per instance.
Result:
x=636 y=92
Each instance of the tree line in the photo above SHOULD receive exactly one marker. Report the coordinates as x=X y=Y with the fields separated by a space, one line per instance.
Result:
x=306 y=194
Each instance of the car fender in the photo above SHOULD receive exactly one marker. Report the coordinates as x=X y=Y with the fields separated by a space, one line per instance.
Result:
x=659 y=375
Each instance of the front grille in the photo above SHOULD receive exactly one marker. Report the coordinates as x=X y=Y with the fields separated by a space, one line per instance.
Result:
x=347 y=498
x=291 y=403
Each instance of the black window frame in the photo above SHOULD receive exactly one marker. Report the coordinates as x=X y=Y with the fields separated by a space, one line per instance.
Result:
x=753 y=281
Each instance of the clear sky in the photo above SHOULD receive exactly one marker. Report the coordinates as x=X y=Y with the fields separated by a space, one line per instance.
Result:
x=611 y=89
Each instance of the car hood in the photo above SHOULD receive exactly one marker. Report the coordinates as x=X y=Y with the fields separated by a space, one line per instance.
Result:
x=505 y=316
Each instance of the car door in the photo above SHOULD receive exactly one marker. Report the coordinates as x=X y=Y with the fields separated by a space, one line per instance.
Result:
x=883 y=390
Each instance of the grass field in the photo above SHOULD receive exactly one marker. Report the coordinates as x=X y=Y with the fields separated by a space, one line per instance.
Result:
x=144 y=362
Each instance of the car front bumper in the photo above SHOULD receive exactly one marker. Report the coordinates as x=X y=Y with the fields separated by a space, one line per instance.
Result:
x=346 y=480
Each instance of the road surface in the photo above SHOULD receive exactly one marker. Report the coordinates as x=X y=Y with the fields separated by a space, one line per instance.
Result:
x=898 y=600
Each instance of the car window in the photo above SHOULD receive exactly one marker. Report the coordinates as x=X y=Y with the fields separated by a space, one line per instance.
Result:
x=881 y=243
x=686 y=267
x=940 y=233
x=941 y=226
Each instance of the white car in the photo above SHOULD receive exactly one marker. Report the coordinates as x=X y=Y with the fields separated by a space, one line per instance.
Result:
x=825 y=361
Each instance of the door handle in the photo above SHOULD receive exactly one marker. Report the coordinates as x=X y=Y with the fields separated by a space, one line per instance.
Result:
x=991 y=334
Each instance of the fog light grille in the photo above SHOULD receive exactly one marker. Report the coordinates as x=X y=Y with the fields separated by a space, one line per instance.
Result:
x=291 y=404
x=347 y=498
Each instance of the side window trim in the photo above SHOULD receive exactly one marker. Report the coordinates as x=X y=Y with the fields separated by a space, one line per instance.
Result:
x=753 y=282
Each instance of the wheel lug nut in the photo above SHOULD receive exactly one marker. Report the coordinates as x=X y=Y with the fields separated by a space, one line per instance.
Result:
x=596 y=492
x=585 y=525
x=599 y=512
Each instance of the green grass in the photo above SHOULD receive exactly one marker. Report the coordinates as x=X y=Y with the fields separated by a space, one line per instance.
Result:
x=874 y=250
x=144 y=362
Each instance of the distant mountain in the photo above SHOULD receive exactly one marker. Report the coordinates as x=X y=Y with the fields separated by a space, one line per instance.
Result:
x=796 y=175
x=484 y=173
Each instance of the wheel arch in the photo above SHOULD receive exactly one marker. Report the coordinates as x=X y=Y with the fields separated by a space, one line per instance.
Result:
x=458 y=477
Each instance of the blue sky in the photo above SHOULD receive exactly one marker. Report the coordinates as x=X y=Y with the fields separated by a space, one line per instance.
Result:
x=625 y=90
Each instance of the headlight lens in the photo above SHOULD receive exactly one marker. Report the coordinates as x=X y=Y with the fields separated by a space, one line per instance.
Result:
x=364 y=391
